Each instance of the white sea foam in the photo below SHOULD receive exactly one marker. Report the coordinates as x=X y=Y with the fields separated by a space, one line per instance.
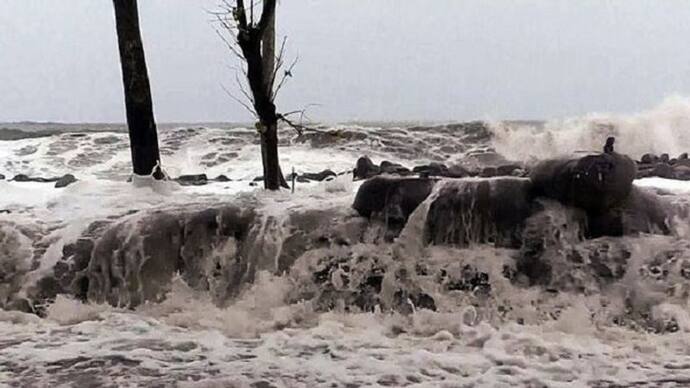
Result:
x=266 y=335
x=662 y=129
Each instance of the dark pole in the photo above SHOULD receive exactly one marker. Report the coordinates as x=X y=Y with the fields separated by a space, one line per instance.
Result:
x=140 y=121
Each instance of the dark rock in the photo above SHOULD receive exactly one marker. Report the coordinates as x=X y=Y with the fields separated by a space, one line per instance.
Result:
x=222 y=178
x=479 y=211
x=431 y=169
x=396 y=196
x=258 y=179
x=65 y=181
x=649 y=158
x=641 y=212
x=486 y=159
x=660 y=170
x=664 y=158
x=365 y=169
x=507 y=169
x=192 y=180
x=25 y=178
x=318 y=176
x=488 y=172
x=2 y=177
x=457 y=171
x=682 y=162
x=20 y=304
x=595 y=182
x=394 y=168
x=392 y=200
x=683 y=156
x=681 y=172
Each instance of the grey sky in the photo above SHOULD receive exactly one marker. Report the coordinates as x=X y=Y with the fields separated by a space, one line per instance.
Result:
x=359 y=59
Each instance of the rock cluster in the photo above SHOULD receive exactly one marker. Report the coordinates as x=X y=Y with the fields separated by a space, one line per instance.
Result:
x=663 y=166
x=365 y=169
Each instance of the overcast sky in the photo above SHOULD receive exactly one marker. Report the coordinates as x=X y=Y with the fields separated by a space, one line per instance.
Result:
x=359 y=59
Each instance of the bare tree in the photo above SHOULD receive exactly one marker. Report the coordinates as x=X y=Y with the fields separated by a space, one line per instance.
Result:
x=252 y=38
x=140 y=121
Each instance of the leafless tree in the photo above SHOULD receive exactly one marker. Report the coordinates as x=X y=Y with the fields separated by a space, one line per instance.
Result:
x=251 y=37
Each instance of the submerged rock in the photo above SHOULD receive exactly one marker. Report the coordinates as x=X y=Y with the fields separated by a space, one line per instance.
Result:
x=192 y=180
x=65 y=181
x=318 y=176
x=26 y=178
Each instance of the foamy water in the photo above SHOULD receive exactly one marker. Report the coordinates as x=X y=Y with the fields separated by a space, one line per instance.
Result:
x=270 y=335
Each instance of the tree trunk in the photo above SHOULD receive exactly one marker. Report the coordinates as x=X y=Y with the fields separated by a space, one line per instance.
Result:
x=269 y=140
x=268 y=52
x=273 y=177
x=140 y=121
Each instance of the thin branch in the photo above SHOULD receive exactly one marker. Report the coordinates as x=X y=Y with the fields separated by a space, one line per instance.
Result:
x=286 y=75
x=242 y=89
x=230 y=46
x=279 y=64
x=247 y=107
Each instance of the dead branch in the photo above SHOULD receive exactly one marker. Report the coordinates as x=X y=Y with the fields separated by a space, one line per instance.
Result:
x=286 y=75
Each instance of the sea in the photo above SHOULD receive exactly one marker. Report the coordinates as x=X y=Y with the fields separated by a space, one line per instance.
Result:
x=632 y=331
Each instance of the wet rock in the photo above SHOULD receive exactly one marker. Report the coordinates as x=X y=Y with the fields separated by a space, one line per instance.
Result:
x=20 y=304
x=258 y=179
x=319 y=176
x=488 y=172
x=594 y=182
x=683 y=156
x=664 y=158
x=479 y=211
x=26 y=178
x=431 y=169
x=2 y=177
x=65 y=181
x=457 y=171
x=681 y=172
x=486 y=159
x=192 y=180
x=222 y=178
x=507 y=169
x=642 y=212
x=649 y=159
x=397 y=197
x=365 y=169
x=394 y=168
x=660 y=170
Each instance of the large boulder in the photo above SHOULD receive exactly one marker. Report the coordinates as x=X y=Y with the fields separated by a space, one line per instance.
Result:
x=641 y=212
x=365 y=169
x=392 y=200
x=397 y=197
x=470 y=211
x=594 y=183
